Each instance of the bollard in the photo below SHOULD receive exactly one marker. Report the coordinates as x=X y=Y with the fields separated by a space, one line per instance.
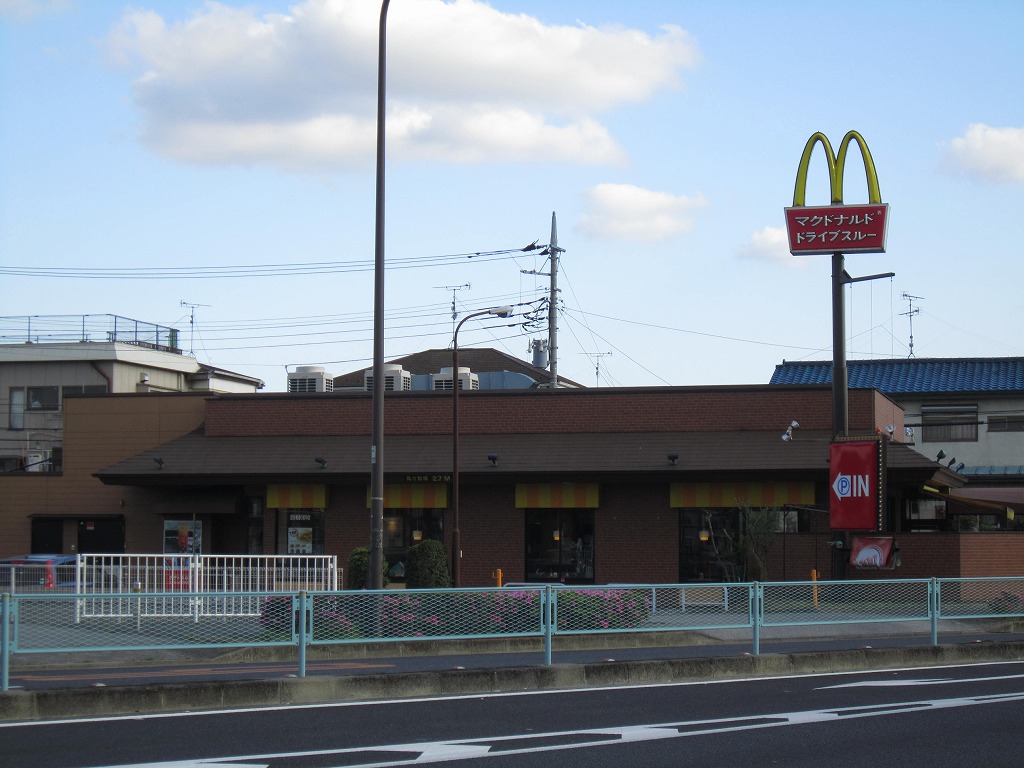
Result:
x=497 y=574
x=814 y=587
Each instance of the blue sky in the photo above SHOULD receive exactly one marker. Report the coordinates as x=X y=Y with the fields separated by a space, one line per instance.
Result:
x=664 y=135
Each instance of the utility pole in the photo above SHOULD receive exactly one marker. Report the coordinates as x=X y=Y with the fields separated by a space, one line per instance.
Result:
x=910 y=315
x=553 y=305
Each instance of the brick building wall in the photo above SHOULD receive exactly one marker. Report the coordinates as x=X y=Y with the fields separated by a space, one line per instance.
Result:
x=688 y=409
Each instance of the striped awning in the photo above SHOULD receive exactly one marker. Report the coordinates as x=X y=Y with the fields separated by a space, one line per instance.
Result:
x=715 y=495
x=413 y=496
x=556 y=495
x=296 y=496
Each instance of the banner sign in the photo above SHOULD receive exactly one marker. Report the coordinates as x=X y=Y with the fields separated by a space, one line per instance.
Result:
x=873 y=552
x=856 y=485
x=837 y=228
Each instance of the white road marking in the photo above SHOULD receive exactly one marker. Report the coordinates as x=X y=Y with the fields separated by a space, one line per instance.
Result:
x=912 y=683
x=466 y=749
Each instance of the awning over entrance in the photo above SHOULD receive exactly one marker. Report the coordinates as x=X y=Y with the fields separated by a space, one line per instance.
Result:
x=712 y=495
x=413 y=496
x=557 y=495
x=964 y=506
x=296 y=496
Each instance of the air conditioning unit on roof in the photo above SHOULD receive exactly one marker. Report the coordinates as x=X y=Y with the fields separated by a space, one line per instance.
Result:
x=445 y=381
x=310 y=378
x=396 y=378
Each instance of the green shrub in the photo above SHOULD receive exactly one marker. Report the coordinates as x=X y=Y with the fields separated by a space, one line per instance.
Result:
x=359 y=565
x=426 y=566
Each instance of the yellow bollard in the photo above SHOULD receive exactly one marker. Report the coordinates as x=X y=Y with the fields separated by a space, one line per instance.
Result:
x=814 y=589
x=497 y=575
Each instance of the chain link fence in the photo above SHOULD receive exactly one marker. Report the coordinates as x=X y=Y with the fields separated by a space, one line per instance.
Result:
x=40 y=622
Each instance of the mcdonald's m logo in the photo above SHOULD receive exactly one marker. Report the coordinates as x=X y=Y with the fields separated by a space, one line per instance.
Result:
x=837 y=228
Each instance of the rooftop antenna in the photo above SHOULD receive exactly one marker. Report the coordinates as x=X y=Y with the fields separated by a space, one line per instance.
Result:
x=597 y=364
x=910 y=316
x=192 y=325
x=453 y=289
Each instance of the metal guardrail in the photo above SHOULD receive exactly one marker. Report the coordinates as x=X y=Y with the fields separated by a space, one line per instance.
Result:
x=43 y=623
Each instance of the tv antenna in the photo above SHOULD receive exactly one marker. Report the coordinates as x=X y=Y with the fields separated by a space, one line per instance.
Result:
x=192 y=324
x=454 y=289
x=910 y=316
x=597 y=364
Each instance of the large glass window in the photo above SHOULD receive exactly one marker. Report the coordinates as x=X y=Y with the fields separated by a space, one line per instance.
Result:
x=560 y=545
x=300 y=532
x=405 y=528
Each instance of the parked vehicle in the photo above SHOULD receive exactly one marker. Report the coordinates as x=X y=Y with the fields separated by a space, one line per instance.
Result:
x=37 y=573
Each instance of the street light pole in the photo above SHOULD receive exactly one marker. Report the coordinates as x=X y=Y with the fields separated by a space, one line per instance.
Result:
x=375 y=577
x=456 y=537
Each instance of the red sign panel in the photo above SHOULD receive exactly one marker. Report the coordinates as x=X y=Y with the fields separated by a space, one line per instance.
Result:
x=855 y=486
x=872 y=552
x=837 y=228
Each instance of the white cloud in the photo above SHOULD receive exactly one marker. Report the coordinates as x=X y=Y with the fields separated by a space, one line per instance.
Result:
x=627 y=212
x=465 y=82
x=770 y=244
x=989 y=153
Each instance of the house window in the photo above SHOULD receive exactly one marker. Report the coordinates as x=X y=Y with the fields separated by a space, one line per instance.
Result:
x=1006 y=423
x=949 y=423
x=43 y=398
x=16 y=412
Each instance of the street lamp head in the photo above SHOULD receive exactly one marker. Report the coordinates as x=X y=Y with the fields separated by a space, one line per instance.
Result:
x=501 y=311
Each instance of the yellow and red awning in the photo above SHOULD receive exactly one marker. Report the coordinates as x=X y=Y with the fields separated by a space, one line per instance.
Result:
x=296 y=496
x=413 y=496
x=728 y=495
x=556 y=495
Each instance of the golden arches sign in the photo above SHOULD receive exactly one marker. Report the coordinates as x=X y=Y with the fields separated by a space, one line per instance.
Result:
x=837 y=228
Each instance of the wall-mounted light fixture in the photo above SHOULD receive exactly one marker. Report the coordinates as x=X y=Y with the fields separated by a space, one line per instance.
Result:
x=417 y=535
x=673 y=459
x=493 y=458
x=890 y=429
x=951 y=462
x=959 y=467
x=788 y=434
x=941 y=455
x=321 y=461
x=908 y=431
x=159 y=462
x=144 y=378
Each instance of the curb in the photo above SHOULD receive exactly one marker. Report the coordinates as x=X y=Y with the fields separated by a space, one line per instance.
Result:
x=151 y=699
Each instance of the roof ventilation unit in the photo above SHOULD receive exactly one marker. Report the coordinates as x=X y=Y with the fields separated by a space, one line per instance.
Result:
x=396 y=379
x=310 y=378
x=443 y=380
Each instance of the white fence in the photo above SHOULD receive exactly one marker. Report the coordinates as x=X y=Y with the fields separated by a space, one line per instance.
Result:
x=181 y=586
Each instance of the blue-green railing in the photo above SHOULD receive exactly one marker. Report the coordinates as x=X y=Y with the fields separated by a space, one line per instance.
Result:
x=47 y=623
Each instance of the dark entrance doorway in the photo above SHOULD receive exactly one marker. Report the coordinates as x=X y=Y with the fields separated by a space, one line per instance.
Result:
x=101 y=535
x=47 y=536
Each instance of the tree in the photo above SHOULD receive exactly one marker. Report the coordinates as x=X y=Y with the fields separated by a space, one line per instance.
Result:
x=759 y=530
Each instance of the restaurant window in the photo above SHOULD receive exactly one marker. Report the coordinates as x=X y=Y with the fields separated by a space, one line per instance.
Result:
x=560 y=545
x=404 y=529
x=949 y=423
x=301 y=531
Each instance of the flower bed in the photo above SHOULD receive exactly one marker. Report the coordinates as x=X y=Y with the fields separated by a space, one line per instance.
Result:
x=450 y=613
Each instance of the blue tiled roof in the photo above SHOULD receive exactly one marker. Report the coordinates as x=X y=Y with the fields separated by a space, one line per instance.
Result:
x=911 y=375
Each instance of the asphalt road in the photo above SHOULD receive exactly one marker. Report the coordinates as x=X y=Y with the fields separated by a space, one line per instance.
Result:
x=960 y=716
